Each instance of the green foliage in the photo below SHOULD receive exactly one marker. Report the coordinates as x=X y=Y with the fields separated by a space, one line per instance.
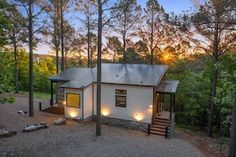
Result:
x=192 y=99
x=225 y=90
x=193 y=93
x=43 y=69
x=6 y=77
x=4 y=22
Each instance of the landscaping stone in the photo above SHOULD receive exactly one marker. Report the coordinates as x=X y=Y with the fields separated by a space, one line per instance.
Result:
x=7 y=133
x=60 y=121
x=33 y=127
x=22 y=112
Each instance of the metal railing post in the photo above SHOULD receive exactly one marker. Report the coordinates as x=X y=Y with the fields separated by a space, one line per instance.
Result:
x=166 y=132
x=40 y=106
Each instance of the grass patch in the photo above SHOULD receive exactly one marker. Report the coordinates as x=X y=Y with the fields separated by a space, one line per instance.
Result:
x=37 y=95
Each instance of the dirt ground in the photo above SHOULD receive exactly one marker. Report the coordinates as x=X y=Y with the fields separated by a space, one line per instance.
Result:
x=78 y=139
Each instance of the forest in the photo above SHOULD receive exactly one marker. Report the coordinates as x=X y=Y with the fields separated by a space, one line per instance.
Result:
x=198 y=45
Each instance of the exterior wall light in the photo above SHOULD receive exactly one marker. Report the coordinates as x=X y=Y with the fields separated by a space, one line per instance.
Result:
x=105 y=112
x=138 y=116
x=72 y=114
x=64 y=102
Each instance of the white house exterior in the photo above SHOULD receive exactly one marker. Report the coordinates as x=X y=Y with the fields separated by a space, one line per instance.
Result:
x=138 y=108
x=128 y=92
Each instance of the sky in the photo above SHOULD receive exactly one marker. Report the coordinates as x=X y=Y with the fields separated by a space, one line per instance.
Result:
x=175 y=6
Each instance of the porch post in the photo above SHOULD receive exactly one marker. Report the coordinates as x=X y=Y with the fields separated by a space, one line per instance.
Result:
x=171 y=106
x=174 y=107
x=51 y=102
x=154 y=104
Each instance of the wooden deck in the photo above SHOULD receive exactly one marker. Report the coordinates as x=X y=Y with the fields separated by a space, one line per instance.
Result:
x=164 y=115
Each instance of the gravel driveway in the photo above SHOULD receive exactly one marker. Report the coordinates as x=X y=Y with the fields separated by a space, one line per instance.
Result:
x=78 y=140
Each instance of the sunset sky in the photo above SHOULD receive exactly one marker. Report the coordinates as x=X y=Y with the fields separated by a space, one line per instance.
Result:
x=176 y=6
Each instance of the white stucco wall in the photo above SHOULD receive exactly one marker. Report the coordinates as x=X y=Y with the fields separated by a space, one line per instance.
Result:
x=138 y=106
x=88 y=101
x=72 y=112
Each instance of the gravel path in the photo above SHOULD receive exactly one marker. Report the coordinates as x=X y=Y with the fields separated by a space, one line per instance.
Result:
x=77 y=139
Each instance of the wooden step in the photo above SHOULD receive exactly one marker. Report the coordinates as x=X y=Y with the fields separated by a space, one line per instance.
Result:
x=158 y=129
x=158 y=126
x=161 y=124
x=157 y=133
x=157 y=117
x=162 y=120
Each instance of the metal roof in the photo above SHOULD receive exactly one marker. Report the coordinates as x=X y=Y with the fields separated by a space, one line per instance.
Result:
x=168 y=86
x=128 y=74
x=69 y=74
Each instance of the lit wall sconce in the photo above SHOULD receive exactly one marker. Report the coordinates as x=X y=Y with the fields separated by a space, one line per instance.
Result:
x=150 y=106
x=64 y=102
x=138 y=116
x=106 y=112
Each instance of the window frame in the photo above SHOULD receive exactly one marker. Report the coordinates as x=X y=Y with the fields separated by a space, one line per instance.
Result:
x=120 y=94
x=79 y=94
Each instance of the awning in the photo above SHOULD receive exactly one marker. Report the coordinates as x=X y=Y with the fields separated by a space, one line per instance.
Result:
x=168 y=86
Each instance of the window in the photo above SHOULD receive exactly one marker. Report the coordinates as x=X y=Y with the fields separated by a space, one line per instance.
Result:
x=121 y=98
x=73 y=100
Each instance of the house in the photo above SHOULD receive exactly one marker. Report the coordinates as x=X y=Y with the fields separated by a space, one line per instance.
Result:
x=132 y=96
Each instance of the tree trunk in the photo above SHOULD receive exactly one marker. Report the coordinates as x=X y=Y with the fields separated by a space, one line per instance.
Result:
x=30 y=29
x=152 y=37
x=99 y=69
x=56 y=34
x=57 y=61
x=214 y=82
x=15 y=63
x=212 y=103
x=232 y=146
x=62 y=37
x=88 y=40
x=124 y=40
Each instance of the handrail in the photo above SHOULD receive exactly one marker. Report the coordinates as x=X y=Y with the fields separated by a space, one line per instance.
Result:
x=149 y=129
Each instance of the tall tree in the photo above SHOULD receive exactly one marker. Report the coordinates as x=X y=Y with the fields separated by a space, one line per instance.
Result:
x=63 y=7
x=16 y=38
x=4 y=22
x=33 y=26
x=126 y=20
x=99 y=67
x=5 y=75
x=100 y=25
x=114 y=47
x=52 y=29
x=153 y=34
x=69 y=40
x=87 y=10
x=213 y=32
x=232 y=146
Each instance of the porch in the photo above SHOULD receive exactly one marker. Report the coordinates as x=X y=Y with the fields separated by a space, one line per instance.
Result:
x=164 y=108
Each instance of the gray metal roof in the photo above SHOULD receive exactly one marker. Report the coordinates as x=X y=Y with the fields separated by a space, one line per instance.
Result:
x=69 y=74
x=168 y=86
x=128 y=74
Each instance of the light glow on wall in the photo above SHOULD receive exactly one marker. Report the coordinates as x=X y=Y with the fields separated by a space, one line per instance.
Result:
x=138 y=116
x=150 y=106
x=64 y=102
x=105 y=112
x=73 y=114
